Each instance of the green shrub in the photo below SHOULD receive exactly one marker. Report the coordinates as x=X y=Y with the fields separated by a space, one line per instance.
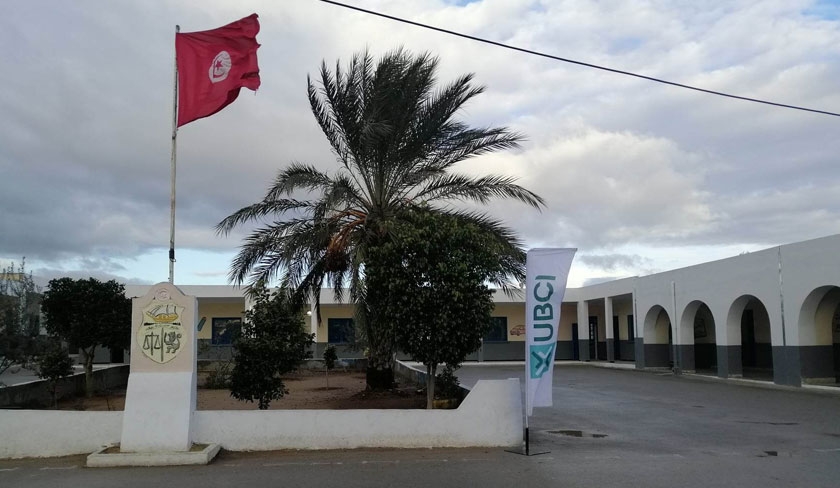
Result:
x=447 y=385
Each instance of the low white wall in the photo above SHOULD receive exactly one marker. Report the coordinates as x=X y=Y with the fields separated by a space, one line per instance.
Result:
x=491 y=415
x=45 y=433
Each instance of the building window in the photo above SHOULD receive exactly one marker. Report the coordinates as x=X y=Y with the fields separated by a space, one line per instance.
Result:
x=224 y=329
x=631 y=336
x=340 y=331
x=498 y=330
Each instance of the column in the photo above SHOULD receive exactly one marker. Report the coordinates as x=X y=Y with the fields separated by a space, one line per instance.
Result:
x=583 y=330
x=608 y=328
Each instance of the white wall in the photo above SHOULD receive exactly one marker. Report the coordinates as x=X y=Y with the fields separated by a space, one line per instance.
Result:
x=45 y=433
x=491 y=415
x=807 y=266
x=718 y=284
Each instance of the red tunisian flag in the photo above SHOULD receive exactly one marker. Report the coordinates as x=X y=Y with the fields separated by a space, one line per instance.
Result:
x=213 y=65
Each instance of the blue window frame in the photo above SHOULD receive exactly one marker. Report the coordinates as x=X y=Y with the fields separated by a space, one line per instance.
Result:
x=340 y=331
x=498 y=330
x=223 y=330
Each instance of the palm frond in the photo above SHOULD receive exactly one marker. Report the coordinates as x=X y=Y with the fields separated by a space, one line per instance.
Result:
x=261 y=209
x=297 y=176
x=396 y=135
x=481 y=189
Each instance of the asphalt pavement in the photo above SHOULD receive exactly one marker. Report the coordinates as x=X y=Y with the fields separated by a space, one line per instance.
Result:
x=608 y=427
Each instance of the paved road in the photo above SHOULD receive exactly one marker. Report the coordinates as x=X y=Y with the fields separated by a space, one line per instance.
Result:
x=659 y=431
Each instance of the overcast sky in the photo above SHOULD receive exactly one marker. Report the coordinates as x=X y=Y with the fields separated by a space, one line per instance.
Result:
x=640 y=177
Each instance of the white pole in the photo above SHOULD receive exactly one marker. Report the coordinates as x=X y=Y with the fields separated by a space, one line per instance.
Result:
x=527 y=399
x=172 y=194
x=676 y=321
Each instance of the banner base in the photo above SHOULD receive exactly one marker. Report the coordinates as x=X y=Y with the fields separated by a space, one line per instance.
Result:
x=523 y=451
x=526 y=449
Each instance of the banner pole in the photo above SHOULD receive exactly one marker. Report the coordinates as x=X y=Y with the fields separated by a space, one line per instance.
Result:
x=527 y=410
x=527 y=438
x=172 y=169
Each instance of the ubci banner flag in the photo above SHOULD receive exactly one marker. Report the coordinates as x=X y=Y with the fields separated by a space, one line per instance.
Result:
x=546 y=273
x=213 y=65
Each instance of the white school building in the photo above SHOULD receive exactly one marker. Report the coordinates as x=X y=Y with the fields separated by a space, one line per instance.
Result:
x=770 y=315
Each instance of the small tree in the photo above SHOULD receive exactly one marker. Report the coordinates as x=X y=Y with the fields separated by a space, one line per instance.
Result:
x=330 y=357
x=272 y=342
x=431 y=279
x=87 y=314
x=19 y=316
x=53 y=365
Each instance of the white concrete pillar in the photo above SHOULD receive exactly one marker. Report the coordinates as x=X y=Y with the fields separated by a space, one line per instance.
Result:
x=161 y=393
x=313 y=319
x=583 y=329
x=608 y=328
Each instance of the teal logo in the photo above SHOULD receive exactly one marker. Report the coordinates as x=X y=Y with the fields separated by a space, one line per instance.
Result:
x=541 y=357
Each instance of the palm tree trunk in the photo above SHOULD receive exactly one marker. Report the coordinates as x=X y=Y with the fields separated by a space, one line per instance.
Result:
x=379 y=378
x=380 y=368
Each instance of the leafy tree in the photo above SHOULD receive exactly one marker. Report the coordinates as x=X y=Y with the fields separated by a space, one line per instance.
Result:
x=273 y=342
x=53 y=365
x=19 y=316
x=432 y=281
x=394 y=133
x=87 y=314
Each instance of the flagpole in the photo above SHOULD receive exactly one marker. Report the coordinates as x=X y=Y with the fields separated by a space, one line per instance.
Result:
x=172 y=169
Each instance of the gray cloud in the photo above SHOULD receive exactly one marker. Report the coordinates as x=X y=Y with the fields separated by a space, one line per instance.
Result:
x=600 y=279
x=85 y=121
x=611 y=262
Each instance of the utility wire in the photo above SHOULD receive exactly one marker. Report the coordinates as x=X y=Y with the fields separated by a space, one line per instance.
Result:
x=581 y=63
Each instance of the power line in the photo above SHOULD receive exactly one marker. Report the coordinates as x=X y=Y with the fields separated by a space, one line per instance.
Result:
x=580 y=63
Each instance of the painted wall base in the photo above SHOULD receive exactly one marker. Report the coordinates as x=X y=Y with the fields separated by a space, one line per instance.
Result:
x=816 y=361
x=657 y=355
x=639 y=346
x=583 y=348
x=628 y=350
x=787 y=368
x=685 y=358
x=729 y=362
x=705 y=356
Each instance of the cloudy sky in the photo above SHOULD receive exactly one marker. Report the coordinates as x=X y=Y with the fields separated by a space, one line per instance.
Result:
x=640 y=177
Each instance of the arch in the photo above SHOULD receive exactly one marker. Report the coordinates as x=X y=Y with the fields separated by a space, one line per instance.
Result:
x=819 y=335
x=698 y=339
x=658 y=337
x=750 y=348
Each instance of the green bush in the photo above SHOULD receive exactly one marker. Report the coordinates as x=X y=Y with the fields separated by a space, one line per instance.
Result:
x=273 y=342
x=447 y=385
x=53 y=365
x=330 y=357
x=219 y=377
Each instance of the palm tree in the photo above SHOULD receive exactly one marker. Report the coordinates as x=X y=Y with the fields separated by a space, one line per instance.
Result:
x=395 y=137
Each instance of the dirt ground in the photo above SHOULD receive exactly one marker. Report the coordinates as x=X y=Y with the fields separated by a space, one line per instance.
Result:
x=307 y=390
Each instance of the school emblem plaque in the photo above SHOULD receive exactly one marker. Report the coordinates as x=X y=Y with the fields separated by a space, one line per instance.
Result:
x=161 y=332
